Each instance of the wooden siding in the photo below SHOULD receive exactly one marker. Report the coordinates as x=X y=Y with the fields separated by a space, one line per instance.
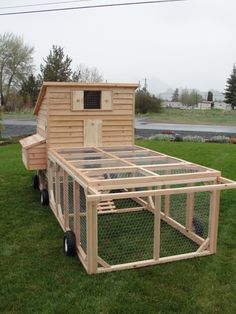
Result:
x=42 y=119
x=66 y=128
x=34 y=154
x=37 y=157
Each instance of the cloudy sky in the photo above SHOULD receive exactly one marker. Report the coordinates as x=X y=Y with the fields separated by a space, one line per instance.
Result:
x=180 y=44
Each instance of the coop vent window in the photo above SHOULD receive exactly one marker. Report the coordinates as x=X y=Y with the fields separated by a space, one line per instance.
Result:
x=92 y=99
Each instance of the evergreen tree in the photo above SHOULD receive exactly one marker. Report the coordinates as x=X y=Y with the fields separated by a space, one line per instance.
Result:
x=175 y=96
x=57 y=67
x=209 y=96
x=30 y=90
x=230 y=90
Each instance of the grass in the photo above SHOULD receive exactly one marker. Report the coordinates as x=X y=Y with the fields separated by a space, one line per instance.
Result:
x=26 y=114
x=214 y=117
x=37 y=278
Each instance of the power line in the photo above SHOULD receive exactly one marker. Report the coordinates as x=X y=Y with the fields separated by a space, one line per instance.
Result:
x=41 y=4
x=90 y=7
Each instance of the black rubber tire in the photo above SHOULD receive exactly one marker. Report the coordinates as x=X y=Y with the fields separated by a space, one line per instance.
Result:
x=69 y=243
x=35 y=182
x=198 y=227
x=44 y=198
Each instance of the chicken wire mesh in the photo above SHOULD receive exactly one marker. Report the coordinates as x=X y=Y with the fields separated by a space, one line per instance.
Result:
x=70 y=189
x=202 y=213
x=83 y=222
x=125 y=237
x=126 y=226
x=129 y=236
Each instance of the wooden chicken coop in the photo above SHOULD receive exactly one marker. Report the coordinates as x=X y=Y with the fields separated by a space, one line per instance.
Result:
x=120 y=205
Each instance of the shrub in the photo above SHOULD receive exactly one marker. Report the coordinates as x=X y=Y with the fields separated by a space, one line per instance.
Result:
x=220 y=139
x=145 y=102
x=178 y=138
x=195 y=138
x=139 y=137
x=162 y=137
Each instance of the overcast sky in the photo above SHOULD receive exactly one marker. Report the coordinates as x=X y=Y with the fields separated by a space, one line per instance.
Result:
x=181 y=44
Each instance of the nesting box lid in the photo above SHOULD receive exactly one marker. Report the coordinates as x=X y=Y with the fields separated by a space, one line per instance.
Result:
x=32 y=140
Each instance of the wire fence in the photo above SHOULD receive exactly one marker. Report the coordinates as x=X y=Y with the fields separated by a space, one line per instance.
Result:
x=126 y=227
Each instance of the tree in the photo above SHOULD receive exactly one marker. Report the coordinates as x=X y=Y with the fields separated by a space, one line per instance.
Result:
x=209 y=96
x=175 y=96
x=190 y=97
x=30 y=90
x=16 y=62
x=87 y=75
x=57 y=66
x=0 y=122
x=230 y=90
x=145 y=102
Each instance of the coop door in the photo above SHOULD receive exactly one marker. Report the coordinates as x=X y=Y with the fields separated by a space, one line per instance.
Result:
x=92 y=133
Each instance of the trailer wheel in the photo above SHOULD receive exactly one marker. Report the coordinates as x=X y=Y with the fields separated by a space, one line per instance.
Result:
x=44 y=198
x=69 y=243
x=198 y=227
x=35 y=182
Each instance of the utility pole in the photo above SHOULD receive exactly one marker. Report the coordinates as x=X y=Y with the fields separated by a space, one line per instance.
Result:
x=145 y=84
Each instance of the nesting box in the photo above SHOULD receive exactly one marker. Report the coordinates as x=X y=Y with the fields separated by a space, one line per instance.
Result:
x=120 y=205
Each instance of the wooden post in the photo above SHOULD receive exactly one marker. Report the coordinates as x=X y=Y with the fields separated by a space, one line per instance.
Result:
x=167 y=203
x=167 y=198
x=50 y=181
x=157 y=228
x=189 y=210
x=76 y=203
x=57 y=188
x=213 y=219
x=92 y=245
x=65 y=199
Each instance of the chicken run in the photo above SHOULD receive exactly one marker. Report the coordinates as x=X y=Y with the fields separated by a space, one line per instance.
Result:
x=120 y=206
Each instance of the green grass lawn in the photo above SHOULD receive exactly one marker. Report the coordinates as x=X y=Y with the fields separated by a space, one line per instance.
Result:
x=217 y=117
x=37 y=278
x=26 y=114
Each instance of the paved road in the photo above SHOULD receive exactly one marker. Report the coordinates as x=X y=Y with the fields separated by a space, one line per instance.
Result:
x=142 y=125
x=25 y=127
x=18 y=127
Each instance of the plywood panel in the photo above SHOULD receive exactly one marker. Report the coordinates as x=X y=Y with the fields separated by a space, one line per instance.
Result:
x=93 y=133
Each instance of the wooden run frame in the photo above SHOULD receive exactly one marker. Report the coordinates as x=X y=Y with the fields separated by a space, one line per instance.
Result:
x=107 y=174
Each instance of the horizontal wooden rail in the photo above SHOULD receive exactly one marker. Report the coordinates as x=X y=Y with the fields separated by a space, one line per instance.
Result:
x=192 y=189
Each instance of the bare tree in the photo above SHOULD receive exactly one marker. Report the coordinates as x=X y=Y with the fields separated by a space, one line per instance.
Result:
x=16 y=62
x=87 y=75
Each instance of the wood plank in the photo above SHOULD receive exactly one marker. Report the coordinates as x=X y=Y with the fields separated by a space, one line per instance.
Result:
x=214 y=219
x=92 y=248
x=76 y=202
x=157 y=228
x=93 y=133
x=107 y=100
x=64 y=135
